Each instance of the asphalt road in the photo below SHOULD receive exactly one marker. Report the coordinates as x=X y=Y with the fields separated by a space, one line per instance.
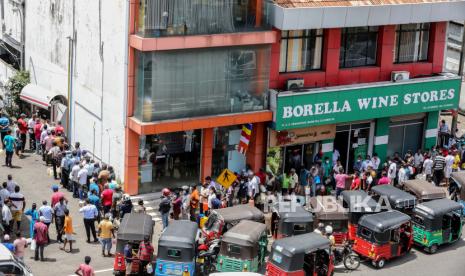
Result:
x=31 y=174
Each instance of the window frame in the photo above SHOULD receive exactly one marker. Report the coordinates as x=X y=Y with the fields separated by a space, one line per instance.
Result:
x=398 y=37
x=345 y=33
x=302 y=37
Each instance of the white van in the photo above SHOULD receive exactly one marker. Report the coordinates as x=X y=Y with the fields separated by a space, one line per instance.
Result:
x=10 y=265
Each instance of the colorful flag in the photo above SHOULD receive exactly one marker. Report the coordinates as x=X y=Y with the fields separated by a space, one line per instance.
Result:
x=245 y=138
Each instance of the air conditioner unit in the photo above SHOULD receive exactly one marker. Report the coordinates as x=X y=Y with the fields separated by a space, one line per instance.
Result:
x=294 y=84
x=400 y=75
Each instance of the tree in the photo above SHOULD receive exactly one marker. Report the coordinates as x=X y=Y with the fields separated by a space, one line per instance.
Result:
x=14 y=86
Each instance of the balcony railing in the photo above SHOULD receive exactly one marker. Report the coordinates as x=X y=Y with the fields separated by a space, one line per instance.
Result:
x=158 y=18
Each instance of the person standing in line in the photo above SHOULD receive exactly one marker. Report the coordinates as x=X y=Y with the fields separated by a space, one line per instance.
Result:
x=40 y=236
x=7 y=217
x=22 y=125
x=439 y=164
x=46 y=212
x=20 y=245
x=375 y=162
x=9 y=144
x=30 y=128
x=4 y=193
x=34 y=214
x=74 y=178
x=107 y=199
x=43 y=136
x=65 y=169
x=449 y=159
x=85 y=269
x=177 y=206
x=90 y=214
x=194 y=203
x=4 y=127
x=11 y=184
x=59 y=129
x=68 y=231
x=145 y=254
x=165 y=207
x=53 y=155
x=59 y=213
x=82 y=180
x=428 y=167
x=106 y=232
x=139 y=208
x=443 y=134
x=340 y=182
x=392 y=171
x=37 y=133
x=56 y=196
x=18 y=205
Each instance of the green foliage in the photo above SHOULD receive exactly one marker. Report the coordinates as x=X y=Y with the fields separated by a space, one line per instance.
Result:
x=273 y=160
x=14 y=86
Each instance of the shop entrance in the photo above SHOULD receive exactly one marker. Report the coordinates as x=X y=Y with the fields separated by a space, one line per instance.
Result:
x=352 y=140
x=405 y=136
x=300 y=156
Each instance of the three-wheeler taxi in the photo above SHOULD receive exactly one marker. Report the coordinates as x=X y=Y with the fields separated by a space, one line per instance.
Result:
x=424 y=190
x=221 y=220
x=307 y=254
x=398 y=199
x=290 y=219
x=133 y=229
x=437 y=222
x=177 y=249
x=358 y=203
x=243 y=247
x=383 y=236
x=329 y=211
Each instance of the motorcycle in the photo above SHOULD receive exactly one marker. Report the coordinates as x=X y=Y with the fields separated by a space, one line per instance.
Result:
x=346 y=256
x=454 y=190
x=207 y=255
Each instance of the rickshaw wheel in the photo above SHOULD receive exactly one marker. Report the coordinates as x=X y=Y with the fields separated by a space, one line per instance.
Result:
x=352 y=261
x=380 y=263
x=432 y=249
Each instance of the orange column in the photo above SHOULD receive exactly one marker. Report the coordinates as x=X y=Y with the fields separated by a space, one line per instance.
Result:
x=131 y=163
x=331 y=55
x=438 y=42
x=257 y=147
x=258 y=13
x=207 y=153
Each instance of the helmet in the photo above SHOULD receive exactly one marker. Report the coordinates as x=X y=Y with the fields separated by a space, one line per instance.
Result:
x=328 y=230
x=166 y=192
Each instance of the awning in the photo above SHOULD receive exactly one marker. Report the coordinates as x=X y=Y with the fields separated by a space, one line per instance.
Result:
x=37 y=95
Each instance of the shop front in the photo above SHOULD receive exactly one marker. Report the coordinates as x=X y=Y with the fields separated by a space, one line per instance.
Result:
x=381 y=118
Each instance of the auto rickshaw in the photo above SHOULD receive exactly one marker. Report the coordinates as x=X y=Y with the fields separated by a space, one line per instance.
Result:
x=383 y=236
x=329 y=211
x=358 y=203
x=177 y=249
x=220 y=220
x=307 y=254
x=243 y=247
x=457 y=187
x=424 y=190
x=290 y=219
x=133 y=229
x=437 y=222
x=398 y=199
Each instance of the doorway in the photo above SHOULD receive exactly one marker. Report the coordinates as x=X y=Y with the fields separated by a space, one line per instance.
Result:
x=300 y=156
x=351 y=141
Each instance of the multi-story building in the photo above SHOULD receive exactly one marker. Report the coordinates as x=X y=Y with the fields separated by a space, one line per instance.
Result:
x=357 y=78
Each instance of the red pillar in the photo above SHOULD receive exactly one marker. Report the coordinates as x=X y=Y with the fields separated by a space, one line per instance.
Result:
x=386 y=41
x=437 y=45
x=256 y=152
x=207 y=152
x=331 y=55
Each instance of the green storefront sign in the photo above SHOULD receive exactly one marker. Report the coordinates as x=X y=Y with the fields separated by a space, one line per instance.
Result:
x=320 y=107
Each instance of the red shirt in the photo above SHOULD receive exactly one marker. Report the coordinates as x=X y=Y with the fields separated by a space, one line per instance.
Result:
x=355 y=184
x=22 y=125
x=59 y=129
x=37 y=131
x=384 y=180
x=40 y=230
x=145 y=251
x=56 y=198
x=262 y=177
x=107 y=197
x=86 y=270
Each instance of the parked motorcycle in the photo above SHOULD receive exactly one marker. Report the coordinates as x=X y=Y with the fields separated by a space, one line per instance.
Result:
x=207 y=257
x=346 y=256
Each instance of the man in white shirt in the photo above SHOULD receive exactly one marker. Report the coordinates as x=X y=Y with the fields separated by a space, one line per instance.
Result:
x=82 y=179
x=418 y=160
x=11 y=184
x=336 y=156
x=46 y=211
x=392 y=171
x=428 y=167
x=252 y=185
x=448 y=168
x=402 y=174
x=90 y=213
x=30 y=129
x=7 y=217
x=74 y=178
x=375 y=162
x=4 y=193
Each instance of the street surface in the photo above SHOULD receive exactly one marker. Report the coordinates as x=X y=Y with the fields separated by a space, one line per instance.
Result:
x=31 y=175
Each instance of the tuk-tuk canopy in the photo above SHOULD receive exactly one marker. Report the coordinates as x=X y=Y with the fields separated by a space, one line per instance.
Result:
x=179 y=234
x=328 y=208
x=459 y=177
x=301 y=244
x=381 y=222
x=396 y=197
x=359 y=202
x=240 y=212
x=245 y=233
x=290 y=212
x=135 y=227
x=435 y=209
x=424 y=190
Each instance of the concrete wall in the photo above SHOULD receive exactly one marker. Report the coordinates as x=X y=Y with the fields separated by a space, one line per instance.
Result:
x=6 y=71
x=99 y=67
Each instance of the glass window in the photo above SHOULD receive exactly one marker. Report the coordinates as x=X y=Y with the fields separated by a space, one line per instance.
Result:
x=399 y=139
x=234 y=249
x=300 y=228
x=301 y=50
x=358 y=47
x=169 y=160
x=200 y=82
x=365 y=233
x=174 y=253
x=412 y=41
x=225 y=153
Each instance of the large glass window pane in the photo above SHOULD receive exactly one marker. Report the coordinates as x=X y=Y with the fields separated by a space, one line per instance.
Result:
x=169 y=160
x=413 y=138
x=225 y=154
x=190 y=83
x=301 y=50
x=396 y=139
x=358 y=47
x=412 y=41
x=190 y=17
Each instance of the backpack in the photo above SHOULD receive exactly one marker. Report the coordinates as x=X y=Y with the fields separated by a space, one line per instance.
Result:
x=164 y=206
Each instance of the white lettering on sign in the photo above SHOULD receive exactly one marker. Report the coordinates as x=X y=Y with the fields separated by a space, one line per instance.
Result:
x=367 y=103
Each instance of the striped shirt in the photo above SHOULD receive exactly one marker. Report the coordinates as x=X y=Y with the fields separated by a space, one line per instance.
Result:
x=439 y=162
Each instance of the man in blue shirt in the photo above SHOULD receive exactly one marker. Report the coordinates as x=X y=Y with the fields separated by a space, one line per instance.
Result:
x=90 y=213
x=9 y=143
x=4 y=127
x=6 y=242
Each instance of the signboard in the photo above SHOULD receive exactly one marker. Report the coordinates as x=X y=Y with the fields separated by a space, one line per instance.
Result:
x=301 y=136
x=226 y=178
x=325 y=106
